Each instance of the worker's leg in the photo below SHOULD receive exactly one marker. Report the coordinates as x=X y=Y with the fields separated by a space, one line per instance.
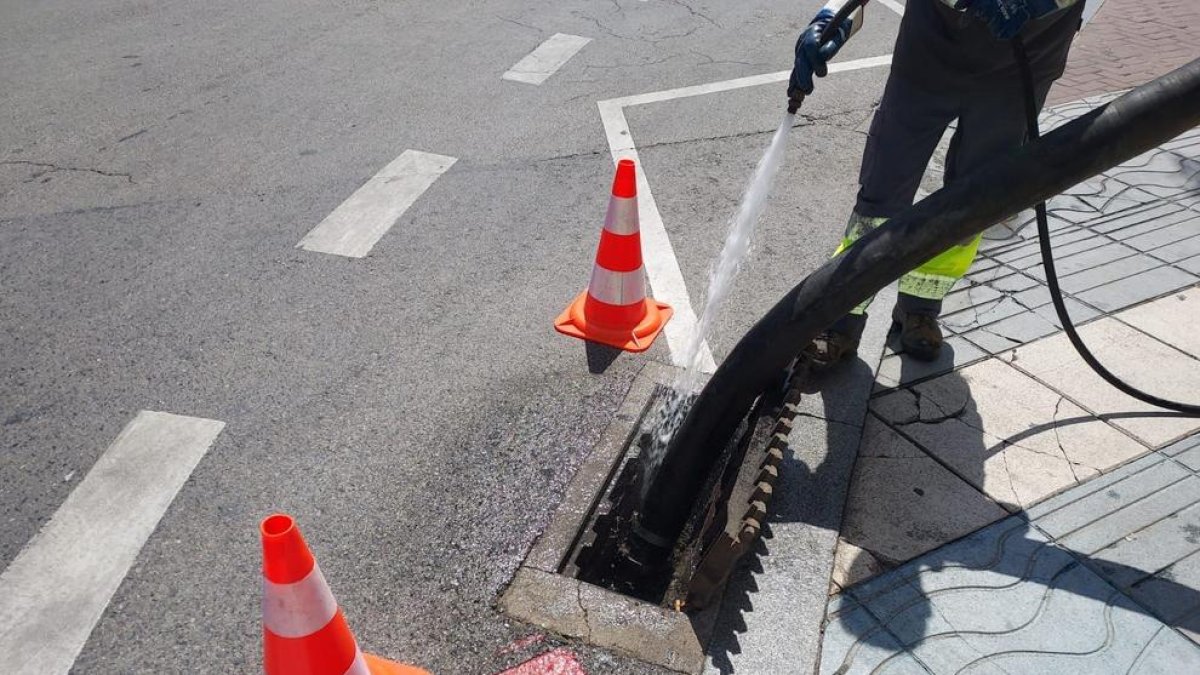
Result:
x=990 y=126
x=903 y=134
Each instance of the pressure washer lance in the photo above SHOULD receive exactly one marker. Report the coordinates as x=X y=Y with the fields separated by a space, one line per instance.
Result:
x=851 y=10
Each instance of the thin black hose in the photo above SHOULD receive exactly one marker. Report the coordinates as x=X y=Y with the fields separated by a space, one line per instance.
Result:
x=1043 y=225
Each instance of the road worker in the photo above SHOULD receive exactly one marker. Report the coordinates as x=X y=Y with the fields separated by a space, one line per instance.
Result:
x=953 y=61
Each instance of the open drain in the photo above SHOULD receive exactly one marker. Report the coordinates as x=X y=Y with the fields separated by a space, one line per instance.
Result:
x=579 y=580
x=720 y=529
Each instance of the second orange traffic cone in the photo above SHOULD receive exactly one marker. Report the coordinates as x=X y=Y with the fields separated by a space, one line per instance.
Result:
x=614 y=310
x=304 y=632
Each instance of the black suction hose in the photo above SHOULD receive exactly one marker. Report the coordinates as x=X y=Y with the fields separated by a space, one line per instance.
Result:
x=1117 y=131
x=1043 y=226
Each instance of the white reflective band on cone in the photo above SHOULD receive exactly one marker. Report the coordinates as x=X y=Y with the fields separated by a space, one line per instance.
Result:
x=617 y=288
x=298 y=609
x=622 y=216
x=359 y=667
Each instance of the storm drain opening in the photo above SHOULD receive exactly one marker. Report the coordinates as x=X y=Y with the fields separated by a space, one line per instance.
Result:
x=578 y=580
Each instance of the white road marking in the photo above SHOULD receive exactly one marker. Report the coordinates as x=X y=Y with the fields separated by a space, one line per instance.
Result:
x=549 y=56
x=893 y=5
x=58 y=586
x=354 y=227
x=662 y=267
x=742 y=82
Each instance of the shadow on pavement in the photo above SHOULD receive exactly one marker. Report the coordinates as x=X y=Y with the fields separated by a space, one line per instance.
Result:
x=912 y=622
x=816 y=493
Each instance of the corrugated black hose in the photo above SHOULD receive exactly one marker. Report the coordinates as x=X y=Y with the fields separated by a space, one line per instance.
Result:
x=1043 y=225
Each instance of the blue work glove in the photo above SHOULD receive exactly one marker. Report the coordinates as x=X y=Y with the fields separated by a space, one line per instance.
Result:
x=811 y=56
x=1006 y=17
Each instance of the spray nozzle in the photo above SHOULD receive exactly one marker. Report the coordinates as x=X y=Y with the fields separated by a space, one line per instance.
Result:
x=794 y=101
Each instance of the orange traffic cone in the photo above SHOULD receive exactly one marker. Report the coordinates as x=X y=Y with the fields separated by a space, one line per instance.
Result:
x=614 y=310
x=304 y=632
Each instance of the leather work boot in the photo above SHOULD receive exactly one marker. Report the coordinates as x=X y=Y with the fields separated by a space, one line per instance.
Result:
x=920 y=335
x=835 y=344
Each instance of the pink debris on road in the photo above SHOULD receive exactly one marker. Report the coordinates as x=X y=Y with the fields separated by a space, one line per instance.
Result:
x=521 y=644
x=556 y=662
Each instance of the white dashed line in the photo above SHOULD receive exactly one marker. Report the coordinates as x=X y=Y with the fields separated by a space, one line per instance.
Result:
x=549 y=56
x=662 y=267
x=743 y=82
x=58 y=586
x=354 y=227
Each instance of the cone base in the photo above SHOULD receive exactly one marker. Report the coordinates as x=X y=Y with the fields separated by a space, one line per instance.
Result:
x=380 y=666
x=636 y=338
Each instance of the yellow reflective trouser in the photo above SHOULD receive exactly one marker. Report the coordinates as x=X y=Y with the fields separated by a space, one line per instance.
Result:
x=931 y=281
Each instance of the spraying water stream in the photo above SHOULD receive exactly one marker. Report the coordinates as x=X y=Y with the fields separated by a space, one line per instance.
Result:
x=671 y=413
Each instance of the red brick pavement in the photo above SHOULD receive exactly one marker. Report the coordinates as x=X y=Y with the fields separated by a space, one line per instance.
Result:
x=1129 y=42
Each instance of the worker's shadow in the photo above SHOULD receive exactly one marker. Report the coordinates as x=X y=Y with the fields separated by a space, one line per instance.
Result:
x=1014 y=549
x=813 y=491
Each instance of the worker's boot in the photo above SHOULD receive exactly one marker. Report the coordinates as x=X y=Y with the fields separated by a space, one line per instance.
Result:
x=835 y=344
x=920 y=335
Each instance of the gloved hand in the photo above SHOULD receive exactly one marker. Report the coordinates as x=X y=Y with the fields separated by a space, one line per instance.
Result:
x=1006 y=17
x=811 y=56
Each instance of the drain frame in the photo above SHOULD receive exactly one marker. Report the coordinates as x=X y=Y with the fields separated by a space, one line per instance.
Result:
x=542 y=593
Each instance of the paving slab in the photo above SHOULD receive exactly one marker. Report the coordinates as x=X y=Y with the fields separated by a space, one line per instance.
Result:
x=1027 y=326
x=1147 y=213
x=1169 y=216
x=1167 y=235
x=1131 y=355
x=856 y=643
x=852 y=564
x=1190 y=458
x=1086 y=508
x=1129 y=291
x=1016 y=449
x=1013 y=283
x=1174 y=319
x=1181 y=446
x=1101 y=274
x=1179 y=250
x=1139 y=555
x=903 y=502
x=1191 y=265
x=1121 y=523
x=1161 y=592
x=1004 y=599
x=982 y=314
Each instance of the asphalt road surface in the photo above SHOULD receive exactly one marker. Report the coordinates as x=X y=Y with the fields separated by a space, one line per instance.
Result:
x=412 y=407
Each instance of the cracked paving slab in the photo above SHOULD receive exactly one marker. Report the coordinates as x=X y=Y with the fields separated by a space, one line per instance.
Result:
x=1158 y=368
x=903 y=503
x=1017 y=449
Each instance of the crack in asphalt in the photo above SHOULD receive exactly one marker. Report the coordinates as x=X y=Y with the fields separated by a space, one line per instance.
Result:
x=694 y=12
x=655 y=39
x=533 y=28
x=587 y=618
x=53 y=168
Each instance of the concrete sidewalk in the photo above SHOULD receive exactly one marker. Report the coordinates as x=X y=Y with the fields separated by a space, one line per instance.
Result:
x=1010 y=511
